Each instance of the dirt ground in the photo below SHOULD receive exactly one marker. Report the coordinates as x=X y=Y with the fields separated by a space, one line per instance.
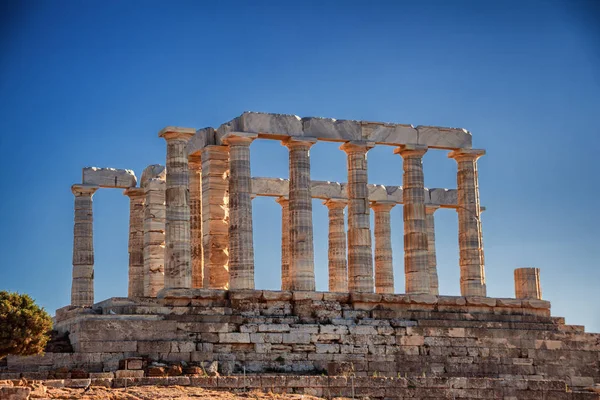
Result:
x=157 y=392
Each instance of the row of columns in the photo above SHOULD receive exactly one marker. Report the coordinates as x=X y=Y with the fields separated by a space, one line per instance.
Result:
x=205 y=236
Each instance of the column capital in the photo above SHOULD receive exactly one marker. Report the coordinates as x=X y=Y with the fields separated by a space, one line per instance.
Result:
x=84 y=190
x=282 y=200
x=299 y=141
x=333 y=204
x=357 y=146
x=238 y=138
x=466 y=154
x=431 y=208
x=176 y=132
x=382 y=205
x=134 y=192
x=411 y=150
x=195 y=162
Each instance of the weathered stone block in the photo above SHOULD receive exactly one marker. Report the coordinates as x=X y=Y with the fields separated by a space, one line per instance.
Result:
x=109 y=177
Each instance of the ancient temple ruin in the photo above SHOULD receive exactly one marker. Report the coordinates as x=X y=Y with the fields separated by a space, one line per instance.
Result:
x=192 y=295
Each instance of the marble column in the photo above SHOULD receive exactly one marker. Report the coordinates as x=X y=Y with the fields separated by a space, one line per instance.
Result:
x=136 y=241
x=155 y=217
x=384 y=266
x=416 y=264
x=286 y=283
x=195 y=168
x=215 y=216
x=527 y=283
x=338 y=266
x=82 y=288
x=241 y=243
x=360 y=252
x=302 y=258
x=470 y=241
x=178 y=257
x=430 y=209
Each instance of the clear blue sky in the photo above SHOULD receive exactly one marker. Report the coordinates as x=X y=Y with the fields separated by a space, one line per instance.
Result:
x=90 y=83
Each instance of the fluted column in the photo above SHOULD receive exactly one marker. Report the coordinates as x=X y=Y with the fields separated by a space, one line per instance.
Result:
x=416 y=264
x=82 y=287
x=136 y=241
x=195 y=167
x=430 y=209
x=302 y=262
x=215 y=216
x=178 y=259
x=527 y=283
x=241 y=243
x=155 y=217
x=338 y=266
x=470 y=241
x=284 y=202
x=360 y=252
x=384 y=266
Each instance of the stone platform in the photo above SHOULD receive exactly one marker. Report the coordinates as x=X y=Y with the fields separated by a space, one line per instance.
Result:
x=364 y=335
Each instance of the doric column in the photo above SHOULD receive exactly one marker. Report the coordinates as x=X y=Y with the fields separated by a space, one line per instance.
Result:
x=195 y=167
x=136 y=241
x=384 y=266
x=82 y=288
x=416 y=264
x=360 y=252
x=215 y=216
x=286 y=283
x=241 y=244
x=155 y=217
x=178 y=258
x=430 y=209
x=470 y=241
x=338 y=266
x=527 y=283
x=302 y=262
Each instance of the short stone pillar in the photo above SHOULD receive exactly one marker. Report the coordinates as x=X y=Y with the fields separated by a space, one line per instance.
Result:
x=178 y=257
x=360 y=251
x=215 y=216
x=286 y=282
x=302 y=257
x=82 y=287
x=338 y=266
x=155 y=217
x=241 y=243
x=430 y=209
x=470 y=241
x=527 y=283
x=136 y=241
x=195 y=168
x=416 y=263
x=384 y=265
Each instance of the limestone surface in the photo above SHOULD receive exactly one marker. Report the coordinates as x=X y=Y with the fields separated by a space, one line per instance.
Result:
x=109 y=177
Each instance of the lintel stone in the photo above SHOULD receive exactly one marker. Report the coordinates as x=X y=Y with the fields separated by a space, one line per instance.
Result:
x=109 y=177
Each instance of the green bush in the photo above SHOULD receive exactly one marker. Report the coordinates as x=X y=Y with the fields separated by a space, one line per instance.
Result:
x=24 y=326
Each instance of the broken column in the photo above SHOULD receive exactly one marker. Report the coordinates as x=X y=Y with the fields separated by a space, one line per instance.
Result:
x=338 y=266
x=136 y=241
x=82 y=288
x=302 y=263
x=241 y=244
x=384 y=267
x=360 y=253
x=286 y=283
x=155 y=216
x=430 y=209
x=195 y=169
x=527 y=283
x=416 y=264
x=178 y=259
x=215 y=216
x=472 y=269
